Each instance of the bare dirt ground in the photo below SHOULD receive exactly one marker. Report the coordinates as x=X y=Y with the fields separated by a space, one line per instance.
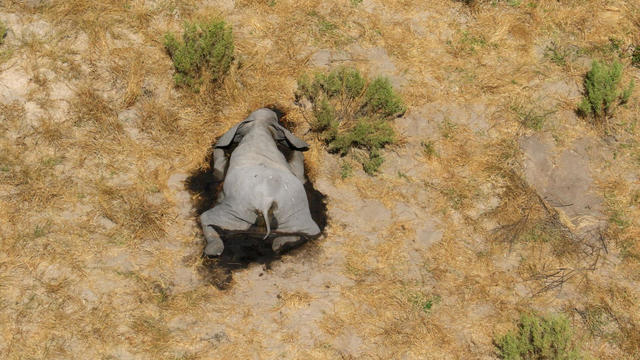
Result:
x=100 y=249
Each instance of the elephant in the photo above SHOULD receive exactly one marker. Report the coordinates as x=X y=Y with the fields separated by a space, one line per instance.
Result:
x=260 y=183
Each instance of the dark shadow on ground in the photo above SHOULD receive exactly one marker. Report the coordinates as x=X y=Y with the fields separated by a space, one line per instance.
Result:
x=244 y=249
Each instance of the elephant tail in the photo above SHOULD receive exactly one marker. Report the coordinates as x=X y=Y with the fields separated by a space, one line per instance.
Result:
x=268 y=208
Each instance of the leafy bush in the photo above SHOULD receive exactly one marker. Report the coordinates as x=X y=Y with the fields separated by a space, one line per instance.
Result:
x=539 y=338
x=206 y=50
x=602 y=92
x=352 y=113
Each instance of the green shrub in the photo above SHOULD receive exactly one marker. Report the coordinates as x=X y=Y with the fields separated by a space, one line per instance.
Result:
x=351 y=112
x=539 y=338
x=206 y=51
x=602 y=92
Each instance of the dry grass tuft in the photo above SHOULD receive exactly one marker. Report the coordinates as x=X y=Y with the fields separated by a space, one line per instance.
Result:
x=91 y=109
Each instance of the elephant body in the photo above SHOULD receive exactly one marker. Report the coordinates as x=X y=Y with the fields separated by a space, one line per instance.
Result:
x=260 y=184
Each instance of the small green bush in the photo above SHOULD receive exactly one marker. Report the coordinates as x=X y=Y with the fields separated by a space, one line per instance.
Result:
x=352 y=112
x=539 y=338
x=206 y=50
x=602 y=92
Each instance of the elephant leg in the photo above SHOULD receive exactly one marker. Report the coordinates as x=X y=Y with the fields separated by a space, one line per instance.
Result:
x=296 y=163
x=297 y=222
x=215 y=246
x=224 y=217
x=282 y=242
x=294 y=216
x=219 y=164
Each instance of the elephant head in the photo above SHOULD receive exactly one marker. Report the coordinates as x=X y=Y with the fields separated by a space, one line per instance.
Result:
x=261 y=119
x=264 y=118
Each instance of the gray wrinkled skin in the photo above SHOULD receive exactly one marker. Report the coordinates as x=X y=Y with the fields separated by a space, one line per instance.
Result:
x=259 y=182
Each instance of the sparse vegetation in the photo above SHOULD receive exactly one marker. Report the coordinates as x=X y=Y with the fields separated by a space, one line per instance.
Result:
x=345 y=170
x=635 y=56
x=599 y=321
x=205 y=52
x=612 y=50
x=3 y=32
x=532 y=118
x=448 y=128
x=467 y=43
x=561 y=55
x=423 y=302
x=602 y=91
x=429 y=149
x=539 y=338
x=617 y=212
x=351 y=114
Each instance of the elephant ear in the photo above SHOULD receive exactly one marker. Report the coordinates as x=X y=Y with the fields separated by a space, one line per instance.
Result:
x=228 y=137
x=293 y=141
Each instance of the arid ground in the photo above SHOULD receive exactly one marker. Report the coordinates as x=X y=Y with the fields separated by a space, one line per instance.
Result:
x=496 y=200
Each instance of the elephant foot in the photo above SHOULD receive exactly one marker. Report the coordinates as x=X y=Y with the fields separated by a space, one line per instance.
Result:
x=282 y=242
x=215 y=246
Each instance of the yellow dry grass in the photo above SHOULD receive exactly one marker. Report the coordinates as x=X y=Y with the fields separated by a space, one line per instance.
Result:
x=91 y=232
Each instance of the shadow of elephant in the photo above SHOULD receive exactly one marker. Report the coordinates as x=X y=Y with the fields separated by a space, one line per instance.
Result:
x=241 y=248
